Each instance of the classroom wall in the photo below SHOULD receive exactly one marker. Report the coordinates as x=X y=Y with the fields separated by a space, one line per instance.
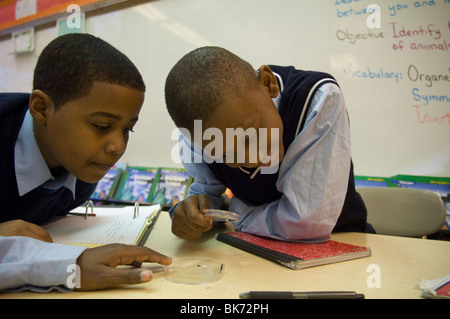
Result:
x=397 y=124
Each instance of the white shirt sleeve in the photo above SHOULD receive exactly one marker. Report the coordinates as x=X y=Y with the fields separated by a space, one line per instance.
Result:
x=313 y=177
x=30 y=264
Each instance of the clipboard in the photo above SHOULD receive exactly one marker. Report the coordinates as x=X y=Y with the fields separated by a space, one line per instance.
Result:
x=147 y=228
x=95 y=226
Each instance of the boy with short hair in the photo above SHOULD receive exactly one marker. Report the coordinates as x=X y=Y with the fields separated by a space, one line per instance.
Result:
x=289 y=164
x=57 y=143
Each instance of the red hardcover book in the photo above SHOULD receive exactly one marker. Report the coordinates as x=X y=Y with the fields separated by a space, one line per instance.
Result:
x=294 y=255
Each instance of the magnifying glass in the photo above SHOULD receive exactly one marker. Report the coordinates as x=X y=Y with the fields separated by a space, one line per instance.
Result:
x=221 y=215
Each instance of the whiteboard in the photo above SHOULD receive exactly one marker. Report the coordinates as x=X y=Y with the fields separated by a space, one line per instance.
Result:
x=394 y=129
x=396 y=80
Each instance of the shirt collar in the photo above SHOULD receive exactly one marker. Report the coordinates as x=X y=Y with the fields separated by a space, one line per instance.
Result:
x=30 y=166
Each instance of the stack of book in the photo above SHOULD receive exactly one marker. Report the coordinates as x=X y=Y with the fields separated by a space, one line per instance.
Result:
x=162 y=185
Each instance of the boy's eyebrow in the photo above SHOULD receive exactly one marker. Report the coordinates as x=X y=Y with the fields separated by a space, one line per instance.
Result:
x=111 y=116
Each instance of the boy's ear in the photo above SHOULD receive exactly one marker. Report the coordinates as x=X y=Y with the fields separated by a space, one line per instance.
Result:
x=268 y=79
x=41 y=105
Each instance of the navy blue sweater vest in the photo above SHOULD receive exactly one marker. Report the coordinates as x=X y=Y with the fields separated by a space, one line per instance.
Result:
x=37 y=206
x=262 y=188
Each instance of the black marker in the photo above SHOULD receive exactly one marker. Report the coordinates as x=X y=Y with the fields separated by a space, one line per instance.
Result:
x=301 y=295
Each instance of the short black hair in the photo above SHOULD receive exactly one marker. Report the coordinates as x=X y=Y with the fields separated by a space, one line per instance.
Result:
x=68 y=66
x=200 y=81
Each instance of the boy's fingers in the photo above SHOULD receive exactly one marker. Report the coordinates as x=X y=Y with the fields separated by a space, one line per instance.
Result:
x=39 y=232
x=98 y=265
x=194 y=215
x=188 y=222
x=131 y=276
x=31 y=234
x=130 y=255
x=20 y=227
x=138 y=254
x=110 y=277
x=198 y=228
x=203 y=202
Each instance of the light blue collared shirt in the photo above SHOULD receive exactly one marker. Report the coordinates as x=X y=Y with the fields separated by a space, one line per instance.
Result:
x=31 y=169
x=27 y=263
x=30 y=264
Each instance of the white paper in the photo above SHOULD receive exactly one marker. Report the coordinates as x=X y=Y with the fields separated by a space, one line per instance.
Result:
x=110 y=225
x=25 y=8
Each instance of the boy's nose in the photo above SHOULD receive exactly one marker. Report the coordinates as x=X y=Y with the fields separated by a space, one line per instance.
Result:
x=116 y=144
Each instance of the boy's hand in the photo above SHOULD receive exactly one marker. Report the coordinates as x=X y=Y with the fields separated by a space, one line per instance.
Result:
x=98 y=265
x=187 y=220
x=18 y=227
